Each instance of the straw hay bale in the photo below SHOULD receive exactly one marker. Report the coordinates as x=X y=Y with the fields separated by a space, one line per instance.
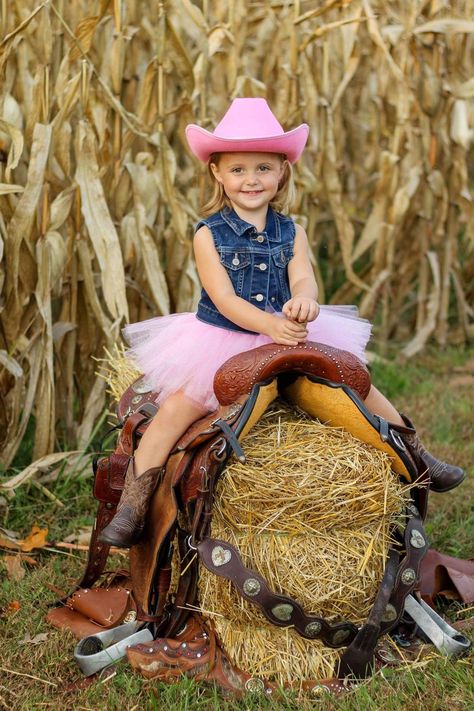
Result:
x=311 y=511
x=118 y=371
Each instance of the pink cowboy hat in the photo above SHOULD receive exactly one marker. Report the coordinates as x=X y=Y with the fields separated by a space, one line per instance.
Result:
x=248 y=125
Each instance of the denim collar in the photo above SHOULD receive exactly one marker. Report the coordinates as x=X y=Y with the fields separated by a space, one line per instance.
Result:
x=272 y=226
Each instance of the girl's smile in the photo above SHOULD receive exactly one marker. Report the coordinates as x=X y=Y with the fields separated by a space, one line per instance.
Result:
x=250 y=180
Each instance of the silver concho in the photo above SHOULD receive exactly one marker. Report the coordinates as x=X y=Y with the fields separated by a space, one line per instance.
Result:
x=220 y=556
x=320 y=690
x=283 y=611
x=408 y=576
x=130 y=616
x=312 y=629
x=251 y=587
x=417 y=540
x=340 y=636
x=141 y=387
x=255 y=685
x=136 y=399
x=390 y=614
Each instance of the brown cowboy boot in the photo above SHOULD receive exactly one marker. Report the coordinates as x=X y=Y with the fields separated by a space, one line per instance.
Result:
x=443 y=476
x=127 y=525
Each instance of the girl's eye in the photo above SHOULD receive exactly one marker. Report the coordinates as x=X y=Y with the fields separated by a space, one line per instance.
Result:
x=236 y=170
x=264 y=168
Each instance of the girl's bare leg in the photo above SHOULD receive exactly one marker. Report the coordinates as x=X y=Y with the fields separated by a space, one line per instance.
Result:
x=144 y=469
x=379 y=405
x=171 y=421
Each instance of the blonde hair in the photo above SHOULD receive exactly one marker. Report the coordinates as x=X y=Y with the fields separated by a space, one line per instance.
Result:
x=282 y=201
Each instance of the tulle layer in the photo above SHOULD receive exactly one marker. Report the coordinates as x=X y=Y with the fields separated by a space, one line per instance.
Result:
x=179 y=352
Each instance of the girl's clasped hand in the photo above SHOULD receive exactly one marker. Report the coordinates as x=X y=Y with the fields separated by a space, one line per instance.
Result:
x=301 y=309
x=292 y=328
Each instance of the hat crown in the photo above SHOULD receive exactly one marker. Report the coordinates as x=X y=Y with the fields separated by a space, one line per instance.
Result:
x=248 y=125
x=248 y=119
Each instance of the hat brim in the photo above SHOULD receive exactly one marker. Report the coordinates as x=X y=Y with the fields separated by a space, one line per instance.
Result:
x=204 y=143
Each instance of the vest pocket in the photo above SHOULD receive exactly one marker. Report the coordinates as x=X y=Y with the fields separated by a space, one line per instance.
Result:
x=283 y=256
x=237 y=265
x=235 y=260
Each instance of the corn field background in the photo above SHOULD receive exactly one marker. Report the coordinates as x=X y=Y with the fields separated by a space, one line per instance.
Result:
x=99 y=192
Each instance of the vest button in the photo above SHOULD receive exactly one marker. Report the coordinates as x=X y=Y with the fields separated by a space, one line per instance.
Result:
x=262 y=266
x=272 y=299
x=259 y=297
x=236 y=262
x=260 y=238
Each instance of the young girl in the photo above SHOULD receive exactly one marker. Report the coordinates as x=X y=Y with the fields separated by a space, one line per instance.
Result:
x=258 y=287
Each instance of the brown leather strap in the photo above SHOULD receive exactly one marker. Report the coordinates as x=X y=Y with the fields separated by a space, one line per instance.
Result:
x=415 y=545
x=98 y=552
x=223 y=559
x=186 y=591
x=358 y=659
x=127 y=441
x=205 y=428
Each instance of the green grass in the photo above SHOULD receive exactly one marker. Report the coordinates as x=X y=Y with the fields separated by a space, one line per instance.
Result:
x=436 y=391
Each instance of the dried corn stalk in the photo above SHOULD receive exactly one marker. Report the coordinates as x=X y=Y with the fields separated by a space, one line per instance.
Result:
x=99 y=193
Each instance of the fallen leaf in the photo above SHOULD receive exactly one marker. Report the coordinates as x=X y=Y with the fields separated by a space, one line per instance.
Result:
x=37 y=639
x=28 y=559
x=35 y=539
x=12 y=608
x=15 y=570
x=81 y=536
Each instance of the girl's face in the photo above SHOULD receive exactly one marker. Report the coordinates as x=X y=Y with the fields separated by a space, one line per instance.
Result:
x=250 y=180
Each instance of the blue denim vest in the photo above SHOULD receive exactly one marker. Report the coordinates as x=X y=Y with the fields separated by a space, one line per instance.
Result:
x=256 y=262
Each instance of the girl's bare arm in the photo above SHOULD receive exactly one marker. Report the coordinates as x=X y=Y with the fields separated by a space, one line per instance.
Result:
x=302 y=306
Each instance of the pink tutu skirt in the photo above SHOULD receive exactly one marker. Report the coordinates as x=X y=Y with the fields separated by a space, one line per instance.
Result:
x=179 y=352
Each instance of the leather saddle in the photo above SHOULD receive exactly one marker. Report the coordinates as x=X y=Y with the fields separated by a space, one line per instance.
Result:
x=327 y=383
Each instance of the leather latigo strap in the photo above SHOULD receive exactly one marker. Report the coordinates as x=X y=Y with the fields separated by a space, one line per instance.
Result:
x=239 y=374
x=223 y=559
